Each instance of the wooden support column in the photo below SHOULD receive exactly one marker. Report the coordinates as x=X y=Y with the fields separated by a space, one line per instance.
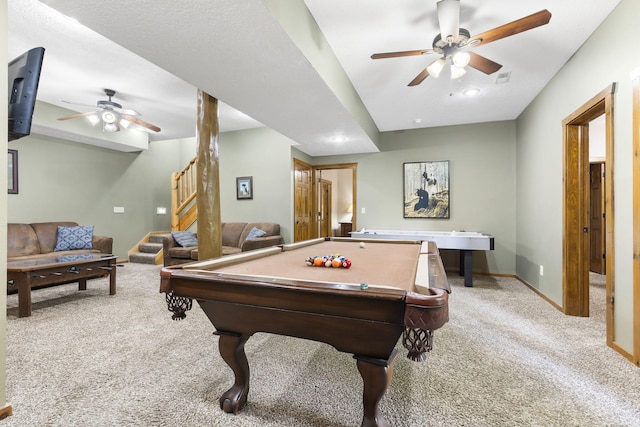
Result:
x=208 y=178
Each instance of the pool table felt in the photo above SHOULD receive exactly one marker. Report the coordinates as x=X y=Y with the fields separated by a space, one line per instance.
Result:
x=377 y=264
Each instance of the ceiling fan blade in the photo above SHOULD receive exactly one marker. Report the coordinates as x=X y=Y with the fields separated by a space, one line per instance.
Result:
x=126 y=111
x=523 y=24
x=75 y=116
x=419 y=78
x=483 y=64
x=79 y=105
x=399 y=54
x=449 y=19
x=140 y=122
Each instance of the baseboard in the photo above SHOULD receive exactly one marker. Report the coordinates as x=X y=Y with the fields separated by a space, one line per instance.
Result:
x=6 y=411
x=540 y=294
x=623 y=352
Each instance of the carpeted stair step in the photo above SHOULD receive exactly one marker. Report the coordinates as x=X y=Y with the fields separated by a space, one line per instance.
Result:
x=157 y=238
x=142 y=258
x=150 y=248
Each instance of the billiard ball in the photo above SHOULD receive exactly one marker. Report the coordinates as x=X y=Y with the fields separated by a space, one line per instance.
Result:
x=362 y=244
x=346 y=263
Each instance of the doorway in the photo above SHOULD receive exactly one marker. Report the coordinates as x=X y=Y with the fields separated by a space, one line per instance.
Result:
x=325 y=208
x=303 y=206
x=576 y=208
x=597 y=217
x=316 y=212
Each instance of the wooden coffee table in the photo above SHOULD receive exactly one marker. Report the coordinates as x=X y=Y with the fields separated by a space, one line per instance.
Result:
x=56 y=270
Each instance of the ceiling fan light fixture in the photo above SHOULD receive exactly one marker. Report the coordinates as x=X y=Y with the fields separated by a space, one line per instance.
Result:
x=461 y=59
x=436 y=67
x=457 y=72
x=93 y=119
x=110 y=127
x=109 y=117
x=125 y=123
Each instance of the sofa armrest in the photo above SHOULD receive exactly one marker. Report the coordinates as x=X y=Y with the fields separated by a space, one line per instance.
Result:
x=103 y=243
x=168 y=242
x=261 y=242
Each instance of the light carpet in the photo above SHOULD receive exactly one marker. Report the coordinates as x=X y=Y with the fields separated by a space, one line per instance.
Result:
x=505 y=358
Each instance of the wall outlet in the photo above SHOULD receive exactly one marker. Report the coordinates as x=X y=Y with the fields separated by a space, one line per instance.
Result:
x=118 y=209
x=541 y=270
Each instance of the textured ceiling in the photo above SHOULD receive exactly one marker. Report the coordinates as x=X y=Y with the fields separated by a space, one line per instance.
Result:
x=268 y=60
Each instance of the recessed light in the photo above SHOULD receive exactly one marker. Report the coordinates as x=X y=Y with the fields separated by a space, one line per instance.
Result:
x=471 y=92
x=338 y=139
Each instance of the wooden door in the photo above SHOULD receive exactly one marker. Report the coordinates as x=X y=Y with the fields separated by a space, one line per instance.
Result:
x=324 y=212
x=303 y=201
x=597 y=219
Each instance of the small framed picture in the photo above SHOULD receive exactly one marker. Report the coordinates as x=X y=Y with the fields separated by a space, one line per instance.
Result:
x=12 y=168
x=244 y=188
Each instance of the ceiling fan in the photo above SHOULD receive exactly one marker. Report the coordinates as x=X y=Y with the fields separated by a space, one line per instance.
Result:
x=112 y=114
x=453 y=42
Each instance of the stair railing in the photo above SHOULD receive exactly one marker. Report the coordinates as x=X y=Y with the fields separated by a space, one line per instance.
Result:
x=183 y=194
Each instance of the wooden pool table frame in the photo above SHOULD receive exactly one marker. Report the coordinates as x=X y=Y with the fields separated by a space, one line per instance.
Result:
x=366 y=323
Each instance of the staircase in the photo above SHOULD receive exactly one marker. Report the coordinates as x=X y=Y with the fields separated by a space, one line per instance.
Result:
x=149 y=250
x=183 y=215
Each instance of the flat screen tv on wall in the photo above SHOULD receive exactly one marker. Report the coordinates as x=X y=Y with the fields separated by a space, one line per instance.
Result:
x=24 y=76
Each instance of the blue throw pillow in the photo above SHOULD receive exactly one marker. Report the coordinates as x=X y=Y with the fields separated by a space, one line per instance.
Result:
x=185 y=238
x=70 y=238
x=256 y=232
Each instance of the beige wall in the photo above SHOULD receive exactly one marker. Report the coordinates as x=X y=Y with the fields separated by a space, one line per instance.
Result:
x=481 y=181
x=266 y=156
x=83 y=183
x=539 y=161
x=68 y=181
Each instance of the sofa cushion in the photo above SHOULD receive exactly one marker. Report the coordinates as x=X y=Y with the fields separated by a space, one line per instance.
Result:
x=180 y=252
x=270 y=229
x=47 y=233
x=185 y=238
x=229 y=250
x=231 y=232
x=21 y=240
x=256 y=232
x=78 y=237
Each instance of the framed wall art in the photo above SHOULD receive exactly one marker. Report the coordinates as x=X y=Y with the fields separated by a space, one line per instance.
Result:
x=426 y=189
x=244 y=188
x=12 y=168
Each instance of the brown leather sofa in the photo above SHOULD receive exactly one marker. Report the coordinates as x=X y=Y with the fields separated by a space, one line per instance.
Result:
x=37 y=240
x=234 y=240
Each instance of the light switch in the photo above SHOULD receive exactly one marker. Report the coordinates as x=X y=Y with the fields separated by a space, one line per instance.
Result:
x=161 y=211
x=118 y=209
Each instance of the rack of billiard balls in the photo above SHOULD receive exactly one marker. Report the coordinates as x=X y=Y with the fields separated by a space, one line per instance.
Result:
x=334 y=261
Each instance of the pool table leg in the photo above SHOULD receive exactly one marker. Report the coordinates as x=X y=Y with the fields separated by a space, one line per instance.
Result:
x=232 y=351
x=376 y=374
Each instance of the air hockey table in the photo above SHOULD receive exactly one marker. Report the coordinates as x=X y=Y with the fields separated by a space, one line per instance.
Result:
x=464 y=241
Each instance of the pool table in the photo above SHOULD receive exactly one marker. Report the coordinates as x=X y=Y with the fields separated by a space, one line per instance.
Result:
x=392 y=289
